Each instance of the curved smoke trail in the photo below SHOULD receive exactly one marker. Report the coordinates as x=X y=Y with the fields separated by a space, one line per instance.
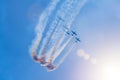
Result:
x=42 y=24
x=64 y=16
x=67 y=12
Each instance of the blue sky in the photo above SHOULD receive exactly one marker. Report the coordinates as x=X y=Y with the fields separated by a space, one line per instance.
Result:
x=98 y=26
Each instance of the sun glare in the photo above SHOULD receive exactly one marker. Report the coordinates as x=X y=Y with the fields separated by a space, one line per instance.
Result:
x=111 y=72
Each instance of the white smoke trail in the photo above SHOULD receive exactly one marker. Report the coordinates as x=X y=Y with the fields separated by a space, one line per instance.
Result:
x=66 y=54
x=53 y=49
x=49 y=38
x=36 y=44
x=70 y=9
x=47 y=43
x=66 y=15
x=66 y=9
x=75 y=10
x=43 y=19
x=42 y=23
x=61 y=49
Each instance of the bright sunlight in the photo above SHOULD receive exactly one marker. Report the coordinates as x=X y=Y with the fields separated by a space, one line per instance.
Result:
x=111 y=72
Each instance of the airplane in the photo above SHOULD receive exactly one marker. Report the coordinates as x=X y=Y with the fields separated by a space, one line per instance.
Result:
x=74 y=33
x=67 y=30
x=68 y=33
x=77 y=39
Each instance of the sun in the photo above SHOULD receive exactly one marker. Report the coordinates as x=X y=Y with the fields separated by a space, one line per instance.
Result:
x=111 y=72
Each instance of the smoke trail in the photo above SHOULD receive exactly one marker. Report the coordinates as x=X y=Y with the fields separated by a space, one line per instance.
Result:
x=45 y=16
x=57 y=45
x=61 y=49
x=42 y=22
x=66 y=54
x=49 y=39
x=65 y=13
x=69 y=11
x=36 y=43
x=74 y=11
x=53 y=49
